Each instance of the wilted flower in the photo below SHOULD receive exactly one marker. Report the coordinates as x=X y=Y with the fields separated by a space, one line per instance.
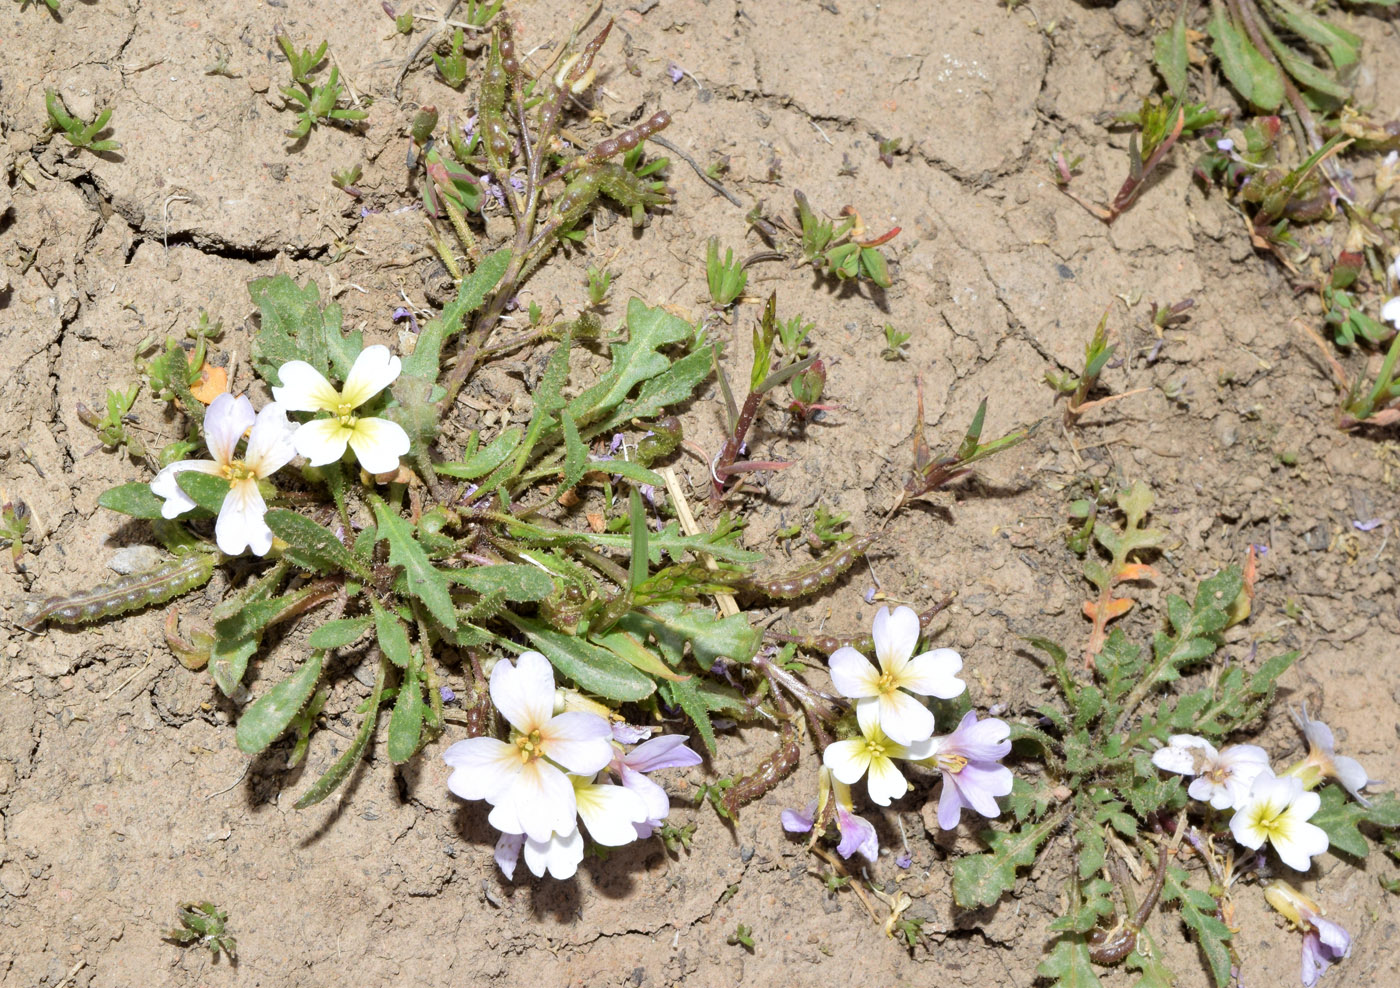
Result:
x=1223 y=778
x=881 y=693
x=1324 y=763
x=241 y=523
x=857 y=833
x=667 y=751
x=530 y=793
x=1277 y=810
x=969 y=759
x=1324 y=942
x=872 y=752
x=378 y=443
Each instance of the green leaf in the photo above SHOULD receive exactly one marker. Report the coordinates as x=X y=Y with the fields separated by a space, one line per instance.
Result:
x=592 y=668
x=340 y=632
x=1170 y=56
x=292 y=326
x=1342 y=47
x=343 y=765
x=425 y=360
x=228 y=662
x=406 y=721
x=637 y=569
x=699 y=699
x=311 y=546
x=1248 y=69
x=204 y=489
x=1198 y=913
x=423 y=580
x=486 y=459
x=673 y=386
x=674 y=625
x=630 y=649
x=669 y=541
x=1069 y=965
x=515 y=581
x=136 y=499
x=575 y=454
x=268 y=716
x=635 y=361
x=1339 y=815
x=982 y=879
x=628 y=469
x=392 y=636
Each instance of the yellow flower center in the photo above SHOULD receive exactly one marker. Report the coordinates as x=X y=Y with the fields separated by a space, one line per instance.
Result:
x=877 y=747
x=530 y=745
x=952 y=763
x=886 y=683
x=237 y=470
x=343 y=412
x=1266 y=818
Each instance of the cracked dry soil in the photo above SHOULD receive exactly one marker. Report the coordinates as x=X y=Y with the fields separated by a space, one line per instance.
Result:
x=121 y=790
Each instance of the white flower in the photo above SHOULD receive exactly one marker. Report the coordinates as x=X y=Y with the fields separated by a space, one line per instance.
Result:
x=1223 y=778
x=611 y=814
x=240 y=524
x=873 y=752
x=530 y=794
x=1323 y=762
x=1277 y=811
x=378 y=443
x=902 y=718
x=559 y=855
x=1390 y=312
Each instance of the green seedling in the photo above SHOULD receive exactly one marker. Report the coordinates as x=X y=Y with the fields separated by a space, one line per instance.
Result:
x=827 y=527
x=14 y=524
x=807 y=387
x=452 y=67
x=1122 y=545
x=599 y=284
x=792 y=336
x=76 y=132
x=931 y=473
x=403 y=23
x=51 y=4
x=741 y=937
x=113 y=428
x=1097 y=354
x=316 y=103
x=480 y=13
x=345 y=179
x=174 y=371
x=842 y=250
x=205 y=925
x=911 y=931
x=220 y=65
x=726 y=278
x=896 y=344
x=888 y=148
x=676 y=838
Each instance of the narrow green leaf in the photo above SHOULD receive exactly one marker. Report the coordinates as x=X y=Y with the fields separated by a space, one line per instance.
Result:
x=575 y=454
x=424 y=581
x=340 y=632
x=341 y=769
x=629 y=470
x=268 y=716
x=228 y=662
x=630 y=649
x=1170 y=56
x=675 y=625
x=204 y=489
x=392 y=635
x=486 y=459
x=425 y=360
x=699 y=699
x=1248 y=69
x=406 y=721
x=637 y=569
x=594 y=669
x=515 y=581
x=311 y=546
x=136 y=499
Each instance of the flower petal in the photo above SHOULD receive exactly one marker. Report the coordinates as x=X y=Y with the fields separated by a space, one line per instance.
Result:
x=896 y=636
x=1298 y=842
x=177 y=502
x=1352 y=776
x=579 y=741
x=950 y=804
x=378 y=444
x=857 y=836
x=886 y=782
x=1390 y=312
x=304 y=389
x=224 y=424
x=904 y=719
x=933 y=674
x=852 y=674
x=241 y=524
x=666 y=751
x=321 y=441
x=508 y=853
x=523 y=691
x=658 y=804
x=270 y=446
x=373 y=371
x=560 y=856
x=609 y=812
x=981 y=741
x=482 y=768
x=538 y=803
x=800 y=821
x=847 y=760
x=981 y=784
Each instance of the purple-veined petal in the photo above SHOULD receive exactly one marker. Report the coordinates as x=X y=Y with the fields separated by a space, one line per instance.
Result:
x=579 y=741
x=980 y=784
x=981 y=740
x=857 y=836
x=508 y=853
x=666 y=751
x=950 y=805
x=800 y=821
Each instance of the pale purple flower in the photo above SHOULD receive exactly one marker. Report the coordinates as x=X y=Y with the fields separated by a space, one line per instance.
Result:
x=800 y=821
x=402 y=313
x=629 y=734
x=666 y=751
x=1324 y=942
x=1370 y=525
x=1324 y=763
x=969 y=759
x=447 y=695
x=1225 y=144
x=857 y=833
x=675 y=72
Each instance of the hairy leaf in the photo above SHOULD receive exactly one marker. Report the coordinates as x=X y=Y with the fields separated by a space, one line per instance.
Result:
x=700 y=698
x=594 y=669
x=342 y=767
x=136 y=499
x=268 y=716
x=423 y=580
x=312 y=547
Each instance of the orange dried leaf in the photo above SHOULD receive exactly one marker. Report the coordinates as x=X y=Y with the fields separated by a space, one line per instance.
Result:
x=596 y=521
x=1136 y=571
x=213 y=381
x=1114 y=607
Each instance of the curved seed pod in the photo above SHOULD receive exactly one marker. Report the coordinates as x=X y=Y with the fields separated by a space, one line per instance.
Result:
x=492 y=104
x=509 y=62
x=578 y=75
x=819 y=574
x=628 y=139
x=577 y=196
x=130 y=593
x=772 y=770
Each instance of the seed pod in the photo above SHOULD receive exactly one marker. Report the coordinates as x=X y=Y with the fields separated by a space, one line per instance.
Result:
x=491 y=108
x=628 y=139
x=822 y=572
x=577 y=196
x=423 y=123
x=130 y=593
x=772 y=770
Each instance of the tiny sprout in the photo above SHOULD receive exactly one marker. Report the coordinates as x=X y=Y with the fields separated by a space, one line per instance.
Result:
x=220 y=65
x=481 y=14
x=403 y=23
x=344 y=179
x=453 y=66
x=889 y=147
x=676 y=838
x=75 y=131
x=301 y=64
x=793 y=335
x=313 y=103
x=51 y=4
x=827 y=526
x=912 y=930
x=599 y=284
x=14 y=523
x=895 y=344
x=741 y=937
x=535 y=313
x=111 y=428
x=835 y=882
x=726 y=278
x=207 y=925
